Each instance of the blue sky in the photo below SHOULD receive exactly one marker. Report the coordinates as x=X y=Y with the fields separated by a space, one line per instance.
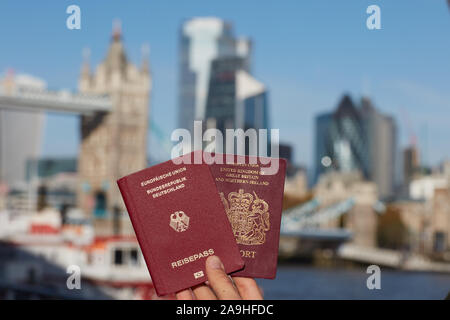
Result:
x=308 y=53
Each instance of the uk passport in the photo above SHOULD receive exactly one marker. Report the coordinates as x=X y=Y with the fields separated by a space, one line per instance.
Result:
x=179 y=221
x=251 y=190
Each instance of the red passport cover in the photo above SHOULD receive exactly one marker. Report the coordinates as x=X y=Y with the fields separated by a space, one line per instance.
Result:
x=253 y=201
x=179 y=221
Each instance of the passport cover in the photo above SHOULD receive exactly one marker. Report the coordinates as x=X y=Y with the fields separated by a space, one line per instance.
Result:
x=253 y=201
x=179 y=221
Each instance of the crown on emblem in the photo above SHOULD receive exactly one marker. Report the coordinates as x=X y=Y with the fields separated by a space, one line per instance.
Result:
x=240 y=201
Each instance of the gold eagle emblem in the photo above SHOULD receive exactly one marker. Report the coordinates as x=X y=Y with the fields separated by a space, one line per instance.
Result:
x=248 y=215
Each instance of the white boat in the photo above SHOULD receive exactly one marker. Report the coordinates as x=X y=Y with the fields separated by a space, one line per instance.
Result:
x=40 y=258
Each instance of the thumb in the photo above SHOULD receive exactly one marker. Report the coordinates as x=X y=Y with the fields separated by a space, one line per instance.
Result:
x=219 y=281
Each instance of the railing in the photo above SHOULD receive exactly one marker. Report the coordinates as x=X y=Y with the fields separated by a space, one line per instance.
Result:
x=31 y=99
x=302 y=211
x=304 y=218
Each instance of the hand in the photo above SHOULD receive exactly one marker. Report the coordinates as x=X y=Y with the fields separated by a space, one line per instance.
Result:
x=221 y=286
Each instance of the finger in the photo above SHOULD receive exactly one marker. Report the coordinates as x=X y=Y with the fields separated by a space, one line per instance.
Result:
x=203 y=292
x=185 y=295
x=261 y=290
x=248 y=289
x=220 y=282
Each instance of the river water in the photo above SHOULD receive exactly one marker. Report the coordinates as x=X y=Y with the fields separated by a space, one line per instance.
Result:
x=307 y=282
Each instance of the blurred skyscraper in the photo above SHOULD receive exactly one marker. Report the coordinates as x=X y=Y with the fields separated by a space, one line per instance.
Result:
x=411 y=164
x=286 y=151
x=252 y=107
x=201 y=41
x=20 y=132
x=381 y=133
x=236 y=100
x=356 y=138
x=341 y=140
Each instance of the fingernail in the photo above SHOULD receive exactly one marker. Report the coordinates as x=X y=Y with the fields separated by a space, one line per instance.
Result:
x=215 y=263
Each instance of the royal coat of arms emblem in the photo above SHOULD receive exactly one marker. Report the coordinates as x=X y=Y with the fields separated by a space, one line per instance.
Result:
x=248 y=215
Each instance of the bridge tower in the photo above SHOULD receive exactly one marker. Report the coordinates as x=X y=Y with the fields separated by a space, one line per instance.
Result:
x=113 y=144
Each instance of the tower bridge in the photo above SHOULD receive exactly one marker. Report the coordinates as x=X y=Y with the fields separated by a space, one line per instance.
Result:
x=302 y=229
x=113 y=105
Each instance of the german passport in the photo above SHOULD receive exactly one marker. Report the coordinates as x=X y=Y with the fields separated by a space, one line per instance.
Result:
x=179 y=221
x=251 y=190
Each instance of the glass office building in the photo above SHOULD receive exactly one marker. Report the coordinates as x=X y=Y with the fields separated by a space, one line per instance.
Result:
x=357 y=138
x=381 y=133
x=235 y=99
x=340 y=140
x=201 y=41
